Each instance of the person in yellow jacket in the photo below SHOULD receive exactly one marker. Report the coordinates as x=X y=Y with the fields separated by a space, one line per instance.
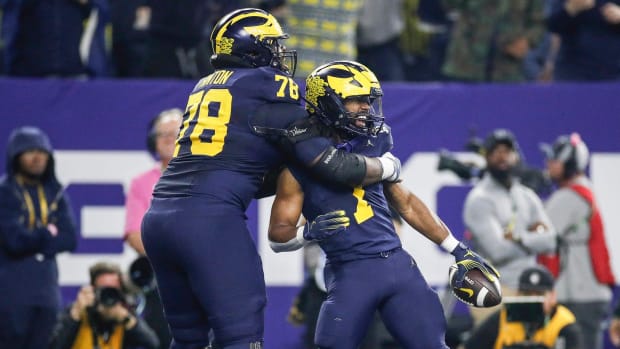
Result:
x=100 y=317
x=556 y=329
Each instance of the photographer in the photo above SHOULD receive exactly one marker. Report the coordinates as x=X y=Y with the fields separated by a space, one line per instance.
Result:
x=100 y=318
x=518 y=325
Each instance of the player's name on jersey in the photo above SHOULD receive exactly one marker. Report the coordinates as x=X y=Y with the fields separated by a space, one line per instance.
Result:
x=218 y=78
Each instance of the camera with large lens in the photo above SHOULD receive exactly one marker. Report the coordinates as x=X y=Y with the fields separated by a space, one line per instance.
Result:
x=109 y=296
x=531 y=177
x=529 y=311
x=141 y=274
x=463 y=170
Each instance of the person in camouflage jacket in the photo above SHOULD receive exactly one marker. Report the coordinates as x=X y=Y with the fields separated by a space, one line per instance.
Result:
x=491 y=38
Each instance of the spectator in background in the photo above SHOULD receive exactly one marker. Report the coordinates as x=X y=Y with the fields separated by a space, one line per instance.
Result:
x=590 y=36
x=48 y=37
x=378 y=33
x=614 y=327
x=100 y=317
x=130 y=24
x=36 y=223
x=322 y=32
x=582 y=267
x=491 y=38
x=178 y=43
x=555 y=327
x=163 y=131
x=507 y=221
x=424 y=39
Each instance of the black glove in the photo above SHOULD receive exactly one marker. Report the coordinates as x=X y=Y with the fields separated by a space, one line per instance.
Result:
x=327 y=225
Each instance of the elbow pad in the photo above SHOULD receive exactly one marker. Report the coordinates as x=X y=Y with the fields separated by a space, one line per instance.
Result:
x=340 y=167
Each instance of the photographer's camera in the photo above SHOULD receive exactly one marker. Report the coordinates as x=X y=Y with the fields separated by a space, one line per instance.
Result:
x=108 y=296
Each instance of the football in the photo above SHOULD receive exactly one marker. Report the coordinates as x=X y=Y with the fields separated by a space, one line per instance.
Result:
x=476 y=290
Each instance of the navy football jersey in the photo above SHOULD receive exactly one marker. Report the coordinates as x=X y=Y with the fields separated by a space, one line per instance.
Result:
x=371 y=231
x=217 y=156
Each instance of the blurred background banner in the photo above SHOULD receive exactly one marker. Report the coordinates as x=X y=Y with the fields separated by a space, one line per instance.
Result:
x=99 y=130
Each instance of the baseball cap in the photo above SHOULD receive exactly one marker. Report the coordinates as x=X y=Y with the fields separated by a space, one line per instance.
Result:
x=500 y=136
x=536 y=279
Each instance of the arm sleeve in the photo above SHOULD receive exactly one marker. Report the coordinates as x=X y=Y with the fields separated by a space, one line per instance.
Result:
x=303 y=139
x=488 y=232
x=485 y=335
x=141 y=336
x=15 y=239
x=65 y=332
x=571 y=336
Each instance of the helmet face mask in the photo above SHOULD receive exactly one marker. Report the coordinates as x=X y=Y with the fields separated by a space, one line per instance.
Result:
x=281 y=59
x=253 y=37
x=364 y=122
x=330 y=87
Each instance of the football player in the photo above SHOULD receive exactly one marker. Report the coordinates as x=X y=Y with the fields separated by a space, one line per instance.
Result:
x=240 y=122
x=367 y=269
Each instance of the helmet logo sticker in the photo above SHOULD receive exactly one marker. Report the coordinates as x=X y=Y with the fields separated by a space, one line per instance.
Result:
x=224 y=45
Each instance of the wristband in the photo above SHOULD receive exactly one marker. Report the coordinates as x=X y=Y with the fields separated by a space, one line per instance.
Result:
x=293 y=244
x=449 y=243
x=388 y=168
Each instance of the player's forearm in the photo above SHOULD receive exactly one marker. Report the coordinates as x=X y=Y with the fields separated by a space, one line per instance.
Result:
x=282 y=232
x=416 y=213
x=284 y=238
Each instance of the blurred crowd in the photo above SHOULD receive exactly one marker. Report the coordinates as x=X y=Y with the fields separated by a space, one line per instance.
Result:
x=400 y=40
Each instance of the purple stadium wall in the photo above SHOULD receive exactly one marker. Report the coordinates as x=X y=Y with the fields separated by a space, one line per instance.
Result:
x=99 y=131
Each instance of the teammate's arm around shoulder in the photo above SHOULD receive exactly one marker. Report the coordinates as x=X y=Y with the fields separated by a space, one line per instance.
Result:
x=284 y=233
x=352 y=169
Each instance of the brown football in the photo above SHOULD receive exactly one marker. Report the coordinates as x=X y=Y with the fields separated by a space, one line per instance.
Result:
x=477 y=290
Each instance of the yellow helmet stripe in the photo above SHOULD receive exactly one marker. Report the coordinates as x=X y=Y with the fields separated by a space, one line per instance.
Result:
x=343 y=86
x=271 y=27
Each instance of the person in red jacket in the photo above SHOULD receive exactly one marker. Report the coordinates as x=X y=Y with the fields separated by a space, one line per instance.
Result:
x=581 y=265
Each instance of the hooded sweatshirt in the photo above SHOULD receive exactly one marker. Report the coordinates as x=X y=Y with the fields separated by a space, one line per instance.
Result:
x=28 y=270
